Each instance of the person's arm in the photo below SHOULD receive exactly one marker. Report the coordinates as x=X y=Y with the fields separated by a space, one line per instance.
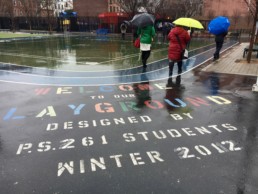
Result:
x=139 y=31
x=153 y=33
x=187 y=37
x=170 y=34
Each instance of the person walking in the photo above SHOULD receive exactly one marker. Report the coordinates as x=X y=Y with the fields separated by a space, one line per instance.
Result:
x=147 y=35
x=178 y=38
x=165 y=30
x=219 y=40
x=123 y=29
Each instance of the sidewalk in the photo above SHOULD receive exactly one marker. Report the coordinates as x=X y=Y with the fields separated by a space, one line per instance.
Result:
x=232 y=62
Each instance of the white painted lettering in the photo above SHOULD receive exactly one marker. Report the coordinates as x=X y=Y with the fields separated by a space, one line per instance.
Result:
x=25 y=146
x=145 y=119
x=132 y=120
x=64 y=90
x=174 y=133
x=62 y=167
x=105 y=122
x=188 y=132
x=136 y=159
x=129 y=137
x=215 y=127
x=83 y=124
x=202 y=130
x=144 y=135
x=68 y=125
x=117 y=159
x=176 y=117
x=188 y=115
x=219 y=100
x=154 y=156
x=119 y=121
x=52 y=126
x=229 y=127
x=100 y=163
x=162 y=135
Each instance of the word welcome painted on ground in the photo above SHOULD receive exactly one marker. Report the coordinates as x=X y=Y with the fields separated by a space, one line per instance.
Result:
x=107 y=107
x=129 y=137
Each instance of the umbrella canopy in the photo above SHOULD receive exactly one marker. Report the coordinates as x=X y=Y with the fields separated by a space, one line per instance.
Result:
x=142 y=20
x=219 y=25
x=188 y=22
x=169 y=24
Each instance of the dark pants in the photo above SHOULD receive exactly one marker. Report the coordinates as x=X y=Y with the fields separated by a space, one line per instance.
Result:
x=171 y=66
x=123 y=36
x=145 y=56
x=218 y=48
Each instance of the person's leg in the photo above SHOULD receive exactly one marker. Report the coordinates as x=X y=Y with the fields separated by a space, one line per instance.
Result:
x=216 y=54
x=145 y=56
x=220 y=44
x=218 y=48
x=144 y=60
x=179 y=65
x=171 y=66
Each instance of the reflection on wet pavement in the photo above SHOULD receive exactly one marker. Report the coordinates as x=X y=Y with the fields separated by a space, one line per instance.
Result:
x=189 y=133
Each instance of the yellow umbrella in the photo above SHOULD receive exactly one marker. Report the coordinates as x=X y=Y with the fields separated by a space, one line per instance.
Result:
x=189 y=22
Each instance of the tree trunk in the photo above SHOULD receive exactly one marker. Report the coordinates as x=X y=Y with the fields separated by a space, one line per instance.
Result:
x=249 y=55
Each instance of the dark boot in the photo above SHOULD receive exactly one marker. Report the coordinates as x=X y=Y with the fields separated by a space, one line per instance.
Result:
x=178 y=80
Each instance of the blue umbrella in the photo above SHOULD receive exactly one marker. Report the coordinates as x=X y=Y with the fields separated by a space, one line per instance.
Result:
x=219 y=25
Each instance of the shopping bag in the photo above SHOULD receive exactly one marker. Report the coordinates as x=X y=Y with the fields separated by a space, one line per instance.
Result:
x=137 y=43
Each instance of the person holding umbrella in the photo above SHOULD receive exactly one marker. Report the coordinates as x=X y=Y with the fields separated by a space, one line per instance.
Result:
x=146 y=31
x=219 y=27
x=178 y=39
x=147 y=35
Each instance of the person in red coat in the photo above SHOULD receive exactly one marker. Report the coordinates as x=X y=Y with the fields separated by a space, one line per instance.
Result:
x=175 y=49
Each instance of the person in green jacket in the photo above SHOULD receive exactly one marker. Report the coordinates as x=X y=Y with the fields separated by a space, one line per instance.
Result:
x=147 y=35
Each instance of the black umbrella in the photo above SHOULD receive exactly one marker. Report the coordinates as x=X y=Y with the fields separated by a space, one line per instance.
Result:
x=142 y=20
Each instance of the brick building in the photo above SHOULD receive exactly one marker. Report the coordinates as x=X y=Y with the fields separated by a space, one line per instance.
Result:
x=90 y=8
x=106 y=13
x=236 y=10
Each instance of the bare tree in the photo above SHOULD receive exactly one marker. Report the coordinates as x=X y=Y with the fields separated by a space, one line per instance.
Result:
x=129 y=6
x=189 y=8
x=248 y=19
x=48 y=11
x=30 y=9
x=165 y=9
x=8 y=11
x=1 y=7
x=224 y=12
x=253 y=9
x=211 y=14
x=235 y=17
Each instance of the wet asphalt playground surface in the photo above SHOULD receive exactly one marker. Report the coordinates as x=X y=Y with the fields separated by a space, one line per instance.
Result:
x=194 y=133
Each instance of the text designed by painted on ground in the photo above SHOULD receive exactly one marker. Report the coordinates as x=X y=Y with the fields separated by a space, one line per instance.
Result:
x=68 y=125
